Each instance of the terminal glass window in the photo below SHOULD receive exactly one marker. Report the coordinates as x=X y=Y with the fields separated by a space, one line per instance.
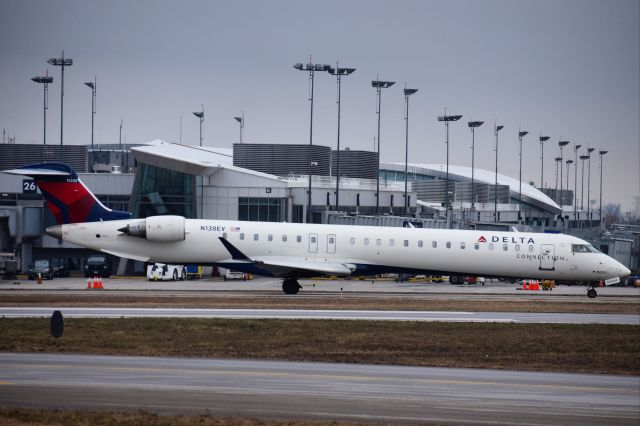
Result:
x=262 y=209
x=160 y=191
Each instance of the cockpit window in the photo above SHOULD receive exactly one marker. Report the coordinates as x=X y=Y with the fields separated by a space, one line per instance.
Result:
x=583 y=248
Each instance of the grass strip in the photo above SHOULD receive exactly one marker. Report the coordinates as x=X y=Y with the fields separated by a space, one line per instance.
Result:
x=24 y=417
x=594 y=348
x=105 y=299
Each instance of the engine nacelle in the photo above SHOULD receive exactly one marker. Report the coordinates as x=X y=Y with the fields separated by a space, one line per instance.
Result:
x=157 y=228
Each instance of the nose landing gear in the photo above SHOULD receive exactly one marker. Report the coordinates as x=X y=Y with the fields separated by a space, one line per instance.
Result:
x=290 y=286
x=592 y=293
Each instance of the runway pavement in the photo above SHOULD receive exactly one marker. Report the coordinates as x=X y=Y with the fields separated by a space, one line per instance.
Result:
x=511 y=317
x=282 y=390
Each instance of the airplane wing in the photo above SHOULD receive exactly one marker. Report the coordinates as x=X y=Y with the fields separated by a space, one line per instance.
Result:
x=287 y=267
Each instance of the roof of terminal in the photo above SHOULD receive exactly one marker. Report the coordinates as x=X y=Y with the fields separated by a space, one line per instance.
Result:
x=195 y=160
x=530 y=194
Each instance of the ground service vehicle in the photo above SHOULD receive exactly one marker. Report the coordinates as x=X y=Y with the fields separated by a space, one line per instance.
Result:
x=163 y=271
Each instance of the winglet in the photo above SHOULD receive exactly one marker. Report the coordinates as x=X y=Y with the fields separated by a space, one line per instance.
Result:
x=235 y=253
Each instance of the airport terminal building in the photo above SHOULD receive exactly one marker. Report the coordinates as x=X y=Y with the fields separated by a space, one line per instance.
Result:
x=267 y=182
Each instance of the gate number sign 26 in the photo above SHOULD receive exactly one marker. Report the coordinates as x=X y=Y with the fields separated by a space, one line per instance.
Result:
x=29 y=186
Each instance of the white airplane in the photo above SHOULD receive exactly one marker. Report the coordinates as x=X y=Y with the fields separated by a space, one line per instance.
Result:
x=293 y=251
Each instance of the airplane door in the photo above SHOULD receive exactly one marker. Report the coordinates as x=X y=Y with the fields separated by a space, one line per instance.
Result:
x=313 y=243
x=547 y=257
x=331 y=243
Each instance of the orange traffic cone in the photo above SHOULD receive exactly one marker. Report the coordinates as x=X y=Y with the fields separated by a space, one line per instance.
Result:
x=100 y=283
x=89 y=283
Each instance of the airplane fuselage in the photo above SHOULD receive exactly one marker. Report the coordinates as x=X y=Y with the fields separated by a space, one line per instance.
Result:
x=356 y=250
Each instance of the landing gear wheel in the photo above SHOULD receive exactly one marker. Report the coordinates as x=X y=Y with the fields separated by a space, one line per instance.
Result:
x=455 y=279
x=290 y=286
x=592 y=293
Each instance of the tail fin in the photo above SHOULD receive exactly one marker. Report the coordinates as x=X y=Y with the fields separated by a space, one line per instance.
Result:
x=67 y=197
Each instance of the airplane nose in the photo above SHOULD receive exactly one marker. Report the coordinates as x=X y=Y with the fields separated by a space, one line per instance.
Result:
x=55 y=231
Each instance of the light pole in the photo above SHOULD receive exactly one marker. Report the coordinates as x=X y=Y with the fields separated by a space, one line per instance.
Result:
x=240 y=121
x=447 y=118
x=589 y=151
x=61 y=62
x=407 y=93
x=200 y=116
x=472 y=125
x=44 y=81
x=379 y=85
x=569 y=163
x=557 y=198
x=582 y=158
x=521 y=134
x=495 y=188
x=312 y=68
x=120 y=139
x=602 y=153
x=575 y=184
x=562 y=144
x=543 y=139
x=339 y=72
x=93 y=85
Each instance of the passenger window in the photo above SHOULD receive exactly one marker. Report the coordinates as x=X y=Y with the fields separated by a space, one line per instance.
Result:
x=284 y=238
x=392 y=242
x=352 y=241
x=255 y=237
x=242 y=236
x=448 y=244
x=517 y=247
x=530 y=249
x=419 y=243
x=299 y=238
x=505 y=247
x=270 y=237
x=490 y=246
x=476 y=246
x=378 y=242
x=366 y=241
x=224 y=235
x=406 y=243
x=462 y=245
x=434 y=244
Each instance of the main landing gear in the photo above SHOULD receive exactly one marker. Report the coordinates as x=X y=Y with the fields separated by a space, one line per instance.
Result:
x=290 y=286
x=592 y=293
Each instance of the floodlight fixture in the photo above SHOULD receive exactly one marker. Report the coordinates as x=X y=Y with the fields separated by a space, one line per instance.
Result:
x=473 y=124
x=45 y=81
x=61 y=62
x=563 y=143
x=447 y=118
x=522 y=134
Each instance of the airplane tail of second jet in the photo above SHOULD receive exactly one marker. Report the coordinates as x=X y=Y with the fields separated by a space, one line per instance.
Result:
x=67 y=197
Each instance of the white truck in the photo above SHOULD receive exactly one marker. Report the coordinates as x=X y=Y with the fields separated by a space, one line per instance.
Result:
x=166 y=272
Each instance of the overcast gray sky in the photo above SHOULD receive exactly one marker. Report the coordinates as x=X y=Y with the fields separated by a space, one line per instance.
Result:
x=567 y=68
